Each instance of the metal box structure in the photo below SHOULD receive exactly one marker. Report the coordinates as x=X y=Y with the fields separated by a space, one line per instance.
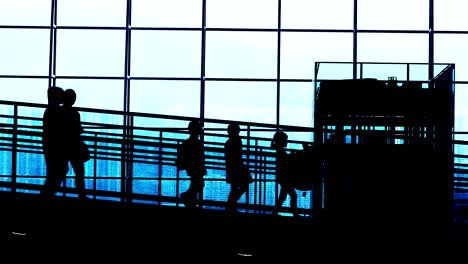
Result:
x=387 y=146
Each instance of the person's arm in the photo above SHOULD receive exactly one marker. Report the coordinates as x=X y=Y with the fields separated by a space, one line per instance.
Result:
x=79 y=127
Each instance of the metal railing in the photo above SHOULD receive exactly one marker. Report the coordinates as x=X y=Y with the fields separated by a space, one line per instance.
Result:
x=141 y=168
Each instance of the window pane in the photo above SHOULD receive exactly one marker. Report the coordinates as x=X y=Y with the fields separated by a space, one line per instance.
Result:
x=25 y=12
x=90 y=52
x=24 y=52
x=317 y=14
x=110 y=13
x=100 y=94
x=5 y=168
x=420 y=72
x=164 y=13
x=166 y=54
x=241 y=101
x=392 y=48
x=297 y=104
x=451 y=49
x=461 y=109
x=242 y=13
x=33 y=112
x=393 y=14
x=24 y=90
x=450 y=15
x=31 y=164
x=165 y=97
x=327 y=70
x=300 y=51
x=241 y=55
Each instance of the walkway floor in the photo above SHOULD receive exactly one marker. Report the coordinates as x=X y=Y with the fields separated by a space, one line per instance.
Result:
x=112 y=229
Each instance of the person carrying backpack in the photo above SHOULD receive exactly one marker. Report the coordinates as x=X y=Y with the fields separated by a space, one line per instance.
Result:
x=284 y=176
x=191 y=158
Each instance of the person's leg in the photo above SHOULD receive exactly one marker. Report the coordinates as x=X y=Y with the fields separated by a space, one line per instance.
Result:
x=293 y=200
x=185 y=196
x=189 y=197
x=281 y=198
x=240 y=190
x=198 y=185
x=57 y=169
x=62 y=170
x=231 y=198
x=47 y=189
x=78 y=168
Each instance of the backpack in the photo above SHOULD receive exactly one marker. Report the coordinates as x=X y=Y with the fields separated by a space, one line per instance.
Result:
x=181 y=159
x=305 y=167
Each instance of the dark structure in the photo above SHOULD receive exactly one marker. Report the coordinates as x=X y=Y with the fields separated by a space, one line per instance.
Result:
x=387 y=152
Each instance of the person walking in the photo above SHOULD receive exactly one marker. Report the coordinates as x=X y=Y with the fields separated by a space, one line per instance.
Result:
x=237 y=172
x=283 y=177
x=191 y=158
x=77 y=152
x=53 y=143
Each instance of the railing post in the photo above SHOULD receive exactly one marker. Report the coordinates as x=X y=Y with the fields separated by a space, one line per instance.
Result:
x=95 y=165
x=263 y=176
x=14 y=147
x=177 y=176
x=256 y=176
x=247 y=193
x=160 y=170
x=129 y=163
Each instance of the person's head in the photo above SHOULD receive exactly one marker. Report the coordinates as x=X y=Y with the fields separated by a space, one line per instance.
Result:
x=55 y=96
x=69 y=97
x=280 y=140
x=194 y=128
x=233 y=129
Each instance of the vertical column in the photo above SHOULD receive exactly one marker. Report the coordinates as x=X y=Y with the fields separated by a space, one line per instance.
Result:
x=202 y=68
x=431 y=43
x=355 y=40
x=127 y=151
x=278 y=68
x=202 y=82
x=53 y=42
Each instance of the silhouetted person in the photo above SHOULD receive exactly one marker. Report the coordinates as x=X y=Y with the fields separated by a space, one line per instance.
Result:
x=76 y=150
x=192 y=160
x=237 y=173
x=53 y=143
x=283 y=177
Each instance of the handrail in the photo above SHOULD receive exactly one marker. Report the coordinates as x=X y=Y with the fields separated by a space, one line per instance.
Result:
x=20 y=134
x=105 y=142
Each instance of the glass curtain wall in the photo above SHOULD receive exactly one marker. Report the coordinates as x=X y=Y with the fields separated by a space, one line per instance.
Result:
x=248 y=60
x=245 y=60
